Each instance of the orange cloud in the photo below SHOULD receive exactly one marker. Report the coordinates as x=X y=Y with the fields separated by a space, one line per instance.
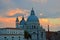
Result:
x=7 y=22
x=17 y=11
x=43 y=21
x=55 y=22
x=10 y=22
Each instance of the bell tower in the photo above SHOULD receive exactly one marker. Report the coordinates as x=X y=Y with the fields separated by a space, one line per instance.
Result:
x=17 y=22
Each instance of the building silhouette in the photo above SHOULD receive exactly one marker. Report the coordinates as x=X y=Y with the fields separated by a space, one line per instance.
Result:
x=32 y=26
x=29 y=29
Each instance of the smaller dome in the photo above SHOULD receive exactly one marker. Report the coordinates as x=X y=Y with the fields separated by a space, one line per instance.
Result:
x=22 y=22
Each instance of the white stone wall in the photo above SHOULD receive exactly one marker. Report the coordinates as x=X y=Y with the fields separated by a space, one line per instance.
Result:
x=11 y=37
x=11 y=31
x=11 y=34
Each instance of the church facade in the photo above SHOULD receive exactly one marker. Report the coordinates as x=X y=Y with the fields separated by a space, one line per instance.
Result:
x=32 y=26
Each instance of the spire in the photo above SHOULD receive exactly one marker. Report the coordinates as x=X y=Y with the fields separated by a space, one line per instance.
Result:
x=32 y=8
x=17 y=20
x=48 y=33
x=22 y=22
x=23 y=18
x=48 y=28
x=32 y=12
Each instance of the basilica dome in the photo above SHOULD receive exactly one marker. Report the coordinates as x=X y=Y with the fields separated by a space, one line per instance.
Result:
x=32 y=17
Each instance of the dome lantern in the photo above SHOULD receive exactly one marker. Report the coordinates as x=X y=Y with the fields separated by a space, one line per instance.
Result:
x=32 y=12
x=32 y=17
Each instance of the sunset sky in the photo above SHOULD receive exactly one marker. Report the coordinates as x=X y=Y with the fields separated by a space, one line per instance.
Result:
x=48 y=12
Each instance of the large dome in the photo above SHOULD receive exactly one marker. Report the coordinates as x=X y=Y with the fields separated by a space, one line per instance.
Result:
x=32 y=17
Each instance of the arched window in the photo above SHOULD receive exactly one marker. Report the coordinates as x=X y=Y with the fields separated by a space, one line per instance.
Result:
x=34 y=26
x=19 y=37
x=34 y=33
x=12 y=38
x=5 y=38
x=41 y=34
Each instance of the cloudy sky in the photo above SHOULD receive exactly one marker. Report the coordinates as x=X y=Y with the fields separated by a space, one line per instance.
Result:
x=48 y=12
